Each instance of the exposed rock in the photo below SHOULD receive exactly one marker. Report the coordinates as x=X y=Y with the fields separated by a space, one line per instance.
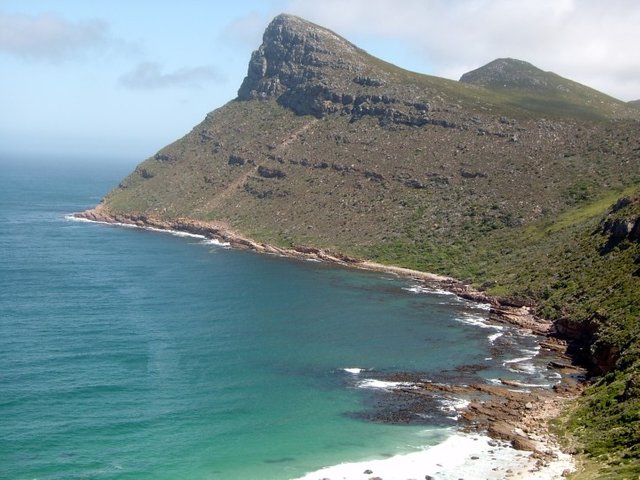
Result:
x=292 y=62
x=373 y=176
x=236 y=160
x=310 y=70
x=467 y=174
x=163 y=157
x=413 y=183
x=621 y=203
x=368 y=81
x=618 y=227
x=265 y=172
x=144 y=173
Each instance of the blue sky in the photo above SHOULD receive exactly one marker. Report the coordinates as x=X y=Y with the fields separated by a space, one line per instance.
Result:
x=120 y=79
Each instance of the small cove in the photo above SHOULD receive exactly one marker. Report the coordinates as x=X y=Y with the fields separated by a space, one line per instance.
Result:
x=135 y=354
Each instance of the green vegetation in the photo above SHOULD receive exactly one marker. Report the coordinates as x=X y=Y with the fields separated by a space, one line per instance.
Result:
x=566 y=268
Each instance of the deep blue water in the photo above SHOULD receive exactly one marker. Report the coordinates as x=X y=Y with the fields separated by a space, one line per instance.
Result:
x=126 y=353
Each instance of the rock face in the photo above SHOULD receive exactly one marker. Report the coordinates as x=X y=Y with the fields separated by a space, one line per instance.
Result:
x=302 y=65
x=313 y=71
x=618 y=227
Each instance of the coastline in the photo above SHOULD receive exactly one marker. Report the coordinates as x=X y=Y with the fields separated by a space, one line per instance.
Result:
x=459 y=456
x=525 y=432
x=502 y=310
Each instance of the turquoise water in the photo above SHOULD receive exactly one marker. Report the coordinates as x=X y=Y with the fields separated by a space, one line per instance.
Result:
x=126 y=353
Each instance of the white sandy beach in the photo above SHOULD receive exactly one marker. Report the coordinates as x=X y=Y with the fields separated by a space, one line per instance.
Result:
x=461 y=456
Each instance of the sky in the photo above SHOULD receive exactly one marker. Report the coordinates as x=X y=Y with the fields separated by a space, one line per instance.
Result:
x=119 y=79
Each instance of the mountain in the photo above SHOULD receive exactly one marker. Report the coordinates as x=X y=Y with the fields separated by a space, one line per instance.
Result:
x=542 y=91
x=634 y=103
x=515 y=180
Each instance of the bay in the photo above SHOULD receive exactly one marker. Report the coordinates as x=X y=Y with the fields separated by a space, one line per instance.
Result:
x=126 y=353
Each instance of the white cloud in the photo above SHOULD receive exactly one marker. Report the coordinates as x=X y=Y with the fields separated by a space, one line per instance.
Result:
x=48 y=36
x=149 y=76
x=590 y=41
x=245 y=30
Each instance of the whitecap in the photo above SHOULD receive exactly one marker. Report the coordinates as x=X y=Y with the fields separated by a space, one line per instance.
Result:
x=71 y=218
x=383 y=385
x=481 y=306
x=529 y=368
x=433 y=291
x=175 y=233
x=453 y=405
x=494 y=336
x=517 y=360
x=213 y=241
x=477 y=321
x=354 y=370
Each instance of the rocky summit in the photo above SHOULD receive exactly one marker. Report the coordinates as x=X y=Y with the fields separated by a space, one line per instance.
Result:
x=510 y=180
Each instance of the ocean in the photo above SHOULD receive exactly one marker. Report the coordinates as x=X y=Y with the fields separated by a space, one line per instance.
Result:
x=135 y=354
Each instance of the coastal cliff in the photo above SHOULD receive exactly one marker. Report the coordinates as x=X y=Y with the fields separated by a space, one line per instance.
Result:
x=520 y=183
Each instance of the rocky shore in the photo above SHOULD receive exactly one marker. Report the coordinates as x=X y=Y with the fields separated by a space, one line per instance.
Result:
x=503 y=310
x=511 y=413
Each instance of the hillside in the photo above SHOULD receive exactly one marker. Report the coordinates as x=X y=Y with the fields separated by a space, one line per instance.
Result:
x=506 y=179
x=544 y=92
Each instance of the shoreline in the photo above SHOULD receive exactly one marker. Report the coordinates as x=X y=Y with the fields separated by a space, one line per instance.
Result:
x=502 y=309
x=462 y=455
x=526 y=432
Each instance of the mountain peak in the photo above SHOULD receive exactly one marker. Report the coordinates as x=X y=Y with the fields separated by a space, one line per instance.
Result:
x=296 y=52
x=292 y=21
x=511 y=73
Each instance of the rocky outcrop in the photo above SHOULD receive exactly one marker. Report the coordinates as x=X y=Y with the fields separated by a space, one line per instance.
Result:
x=580 y=336
x=313 y=71
x=266 y=172
x=298 y=64
x=618 y=226
x=236 y=160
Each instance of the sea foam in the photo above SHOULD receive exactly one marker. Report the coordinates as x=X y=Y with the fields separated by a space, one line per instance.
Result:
x=459 y=456
x=354 y=371
x=177 y=233
x=383 y=385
